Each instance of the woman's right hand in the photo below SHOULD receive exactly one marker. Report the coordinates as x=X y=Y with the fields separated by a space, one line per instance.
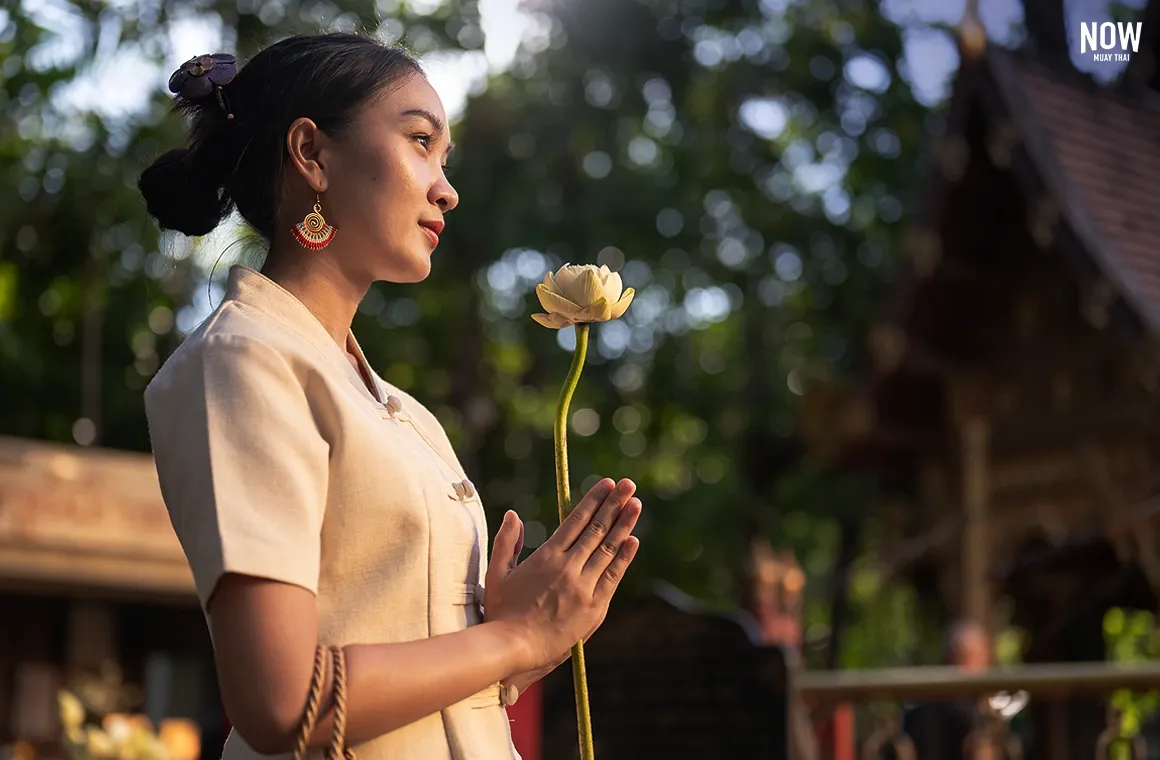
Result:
x=560 y=594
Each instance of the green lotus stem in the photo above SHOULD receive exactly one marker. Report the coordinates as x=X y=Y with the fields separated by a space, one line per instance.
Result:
x=564 y=504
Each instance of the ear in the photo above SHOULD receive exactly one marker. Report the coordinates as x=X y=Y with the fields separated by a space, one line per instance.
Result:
x=305 y=143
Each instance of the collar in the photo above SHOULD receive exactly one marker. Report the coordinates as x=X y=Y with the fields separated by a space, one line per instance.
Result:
x=252 y=288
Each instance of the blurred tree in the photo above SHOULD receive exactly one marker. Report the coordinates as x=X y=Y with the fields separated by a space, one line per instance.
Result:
x=89 y=295
x=745 y=164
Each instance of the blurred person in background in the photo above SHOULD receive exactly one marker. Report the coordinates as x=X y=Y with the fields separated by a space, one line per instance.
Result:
x=317 y=504
x=939 y=729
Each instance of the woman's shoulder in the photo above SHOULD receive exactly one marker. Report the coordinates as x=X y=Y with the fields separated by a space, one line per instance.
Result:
x=241 y=342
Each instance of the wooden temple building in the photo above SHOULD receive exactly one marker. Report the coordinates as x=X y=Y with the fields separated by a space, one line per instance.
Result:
x=1013 y=392
x=96 y=597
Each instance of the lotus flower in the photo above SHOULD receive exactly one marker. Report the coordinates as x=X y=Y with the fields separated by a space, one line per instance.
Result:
x=72 y=712
x=98 y=743
x=1007 y=705
x=581 y=293
x=577 y=295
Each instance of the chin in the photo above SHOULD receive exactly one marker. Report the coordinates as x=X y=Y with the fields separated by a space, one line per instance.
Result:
x=419 y=269
x=408 y=267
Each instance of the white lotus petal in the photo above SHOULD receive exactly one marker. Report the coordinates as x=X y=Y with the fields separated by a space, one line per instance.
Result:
x=613 y=286
x=621 y=306
x=553 y=321
x=556 y=304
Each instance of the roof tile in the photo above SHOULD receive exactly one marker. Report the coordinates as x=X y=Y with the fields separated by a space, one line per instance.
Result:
x=1107 y=148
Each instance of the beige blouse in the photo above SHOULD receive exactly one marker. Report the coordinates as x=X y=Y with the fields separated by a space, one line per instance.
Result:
x=276 y=460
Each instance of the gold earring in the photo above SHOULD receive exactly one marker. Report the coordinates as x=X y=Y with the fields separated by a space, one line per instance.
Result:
x=313 y=232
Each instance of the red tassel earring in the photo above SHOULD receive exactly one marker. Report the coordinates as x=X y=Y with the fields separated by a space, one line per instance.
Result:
x=313 y=232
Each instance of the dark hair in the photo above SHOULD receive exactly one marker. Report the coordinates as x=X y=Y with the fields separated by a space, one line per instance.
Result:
x=238 y=161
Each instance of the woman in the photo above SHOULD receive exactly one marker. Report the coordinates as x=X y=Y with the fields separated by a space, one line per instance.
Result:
x=316 y=503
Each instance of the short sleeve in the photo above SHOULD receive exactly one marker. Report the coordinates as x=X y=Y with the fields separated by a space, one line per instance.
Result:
x=242 y=466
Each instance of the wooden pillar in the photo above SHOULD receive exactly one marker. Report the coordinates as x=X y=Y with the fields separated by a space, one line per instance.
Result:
x=8 y=644
x=36 y=677
x=976 y=492
x=92 y=635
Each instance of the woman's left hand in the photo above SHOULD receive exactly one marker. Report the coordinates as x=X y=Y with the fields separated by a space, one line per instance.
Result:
x=523 y=680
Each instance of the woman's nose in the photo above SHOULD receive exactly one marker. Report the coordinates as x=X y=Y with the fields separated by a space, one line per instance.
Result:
x=445 y=196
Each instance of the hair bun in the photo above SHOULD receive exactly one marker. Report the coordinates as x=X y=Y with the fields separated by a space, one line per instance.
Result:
x=180 y=197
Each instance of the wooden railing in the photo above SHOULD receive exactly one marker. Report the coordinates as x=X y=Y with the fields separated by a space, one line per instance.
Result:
x=1001 y=693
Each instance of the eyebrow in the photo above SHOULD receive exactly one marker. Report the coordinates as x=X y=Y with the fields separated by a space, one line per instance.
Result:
x=437 y=124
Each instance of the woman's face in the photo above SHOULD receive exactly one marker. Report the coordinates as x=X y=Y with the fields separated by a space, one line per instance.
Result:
x=386 y=184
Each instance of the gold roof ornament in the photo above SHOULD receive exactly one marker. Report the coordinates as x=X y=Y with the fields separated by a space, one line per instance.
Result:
x=972 y=35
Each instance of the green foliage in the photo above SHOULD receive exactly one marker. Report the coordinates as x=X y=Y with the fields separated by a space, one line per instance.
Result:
x=647 y=163
x=1132 y=636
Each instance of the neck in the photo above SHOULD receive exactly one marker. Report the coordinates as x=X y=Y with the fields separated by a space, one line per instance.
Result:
x=316 y=279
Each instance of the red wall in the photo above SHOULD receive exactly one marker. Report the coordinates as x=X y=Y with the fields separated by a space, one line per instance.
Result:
x=526 y=717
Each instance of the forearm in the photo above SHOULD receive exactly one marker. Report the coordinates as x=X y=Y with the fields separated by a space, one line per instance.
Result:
x=391 y=685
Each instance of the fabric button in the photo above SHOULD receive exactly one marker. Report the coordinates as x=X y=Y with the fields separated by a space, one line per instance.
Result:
x=464 y=490
x=508 y=694
x=392 y=409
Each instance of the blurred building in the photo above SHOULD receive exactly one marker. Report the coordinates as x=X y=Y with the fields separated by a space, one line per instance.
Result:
x=1014 y=388
x=95 y=594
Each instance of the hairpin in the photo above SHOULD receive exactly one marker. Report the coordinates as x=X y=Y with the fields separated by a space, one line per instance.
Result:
x=203 y=74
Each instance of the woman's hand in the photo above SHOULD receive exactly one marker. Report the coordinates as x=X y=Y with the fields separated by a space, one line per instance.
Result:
x=523 y=680
x=560 y=594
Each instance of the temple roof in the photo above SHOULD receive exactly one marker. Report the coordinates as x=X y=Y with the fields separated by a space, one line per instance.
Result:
x=1097 y=150
x=1078 y=160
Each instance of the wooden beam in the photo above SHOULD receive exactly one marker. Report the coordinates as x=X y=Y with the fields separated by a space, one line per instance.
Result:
x=1078 y=466
x=1034 y=472
x=1036 y=429
x=85 y=518
x=918 y=683
x=43 y=568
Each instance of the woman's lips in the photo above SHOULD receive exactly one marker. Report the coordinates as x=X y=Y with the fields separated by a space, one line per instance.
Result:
x=432 y=229
x=430 y=235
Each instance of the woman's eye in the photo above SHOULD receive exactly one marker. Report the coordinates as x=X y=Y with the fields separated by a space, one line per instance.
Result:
x=424 y=140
